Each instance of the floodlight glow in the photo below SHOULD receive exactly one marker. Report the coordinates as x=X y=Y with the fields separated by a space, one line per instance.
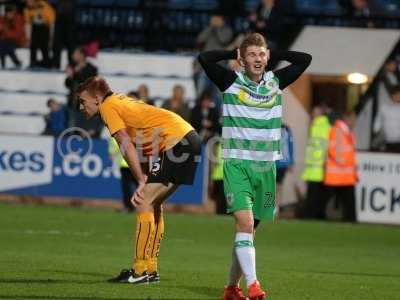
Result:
x=357 y=78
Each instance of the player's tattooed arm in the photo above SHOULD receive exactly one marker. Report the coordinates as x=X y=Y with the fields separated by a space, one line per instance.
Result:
x=222 y=77
x=299 y=62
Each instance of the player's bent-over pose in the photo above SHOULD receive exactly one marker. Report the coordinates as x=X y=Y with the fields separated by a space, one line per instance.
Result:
x=252 y=113
x=142 y=131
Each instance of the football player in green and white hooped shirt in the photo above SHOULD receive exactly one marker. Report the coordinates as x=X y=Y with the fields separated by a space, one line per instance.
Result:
x=252 y=116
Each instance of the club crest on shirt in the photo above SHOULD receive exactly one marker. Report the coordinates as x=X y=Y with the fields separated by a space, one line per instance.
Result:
x=272 y=84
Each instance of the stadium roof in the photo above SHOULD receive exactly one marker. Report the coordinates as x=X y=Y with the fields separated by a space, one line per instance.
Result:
x=339 y=51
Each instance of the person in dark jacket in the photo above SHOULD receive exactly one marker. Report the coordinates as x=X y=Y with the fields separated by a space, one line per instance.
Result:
x=177 y=102
x=78 y=72
x=39 y=22
x=63 y=31
x=267 y=20
x=205 y=117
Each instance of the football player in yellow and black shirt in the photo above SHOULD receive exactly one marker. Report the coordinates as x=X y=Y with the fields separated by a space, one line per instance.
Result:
x=143 y=131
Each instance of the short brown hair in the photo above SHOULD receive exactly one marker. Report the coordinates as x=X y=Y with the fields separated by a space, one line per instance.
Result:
x=94 y=85
x=253 y=39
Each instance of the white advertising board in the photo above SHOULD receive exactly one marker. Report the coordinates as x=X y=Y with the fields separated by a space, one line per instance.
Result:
x=378 y=189
x=25 y=161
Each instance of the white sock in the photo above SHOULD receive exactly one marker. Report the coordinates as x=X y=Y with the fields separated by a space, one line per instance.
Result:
x=246 y=255
x=236 y=272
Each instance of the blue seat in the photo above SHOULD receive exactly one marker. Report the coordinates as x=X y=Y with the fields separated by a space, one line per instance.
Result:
x=251 y=5
x=332 y=7
x=204 y=4
x=83 y=2
x=309 y=6
x=127 y=3
x=391 y=7
x=102 y=2
x=178 y=4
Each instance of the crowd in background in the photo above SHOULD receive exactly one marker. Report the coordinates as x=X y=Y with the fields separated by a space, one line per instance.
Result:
x=12 y=35
x=39 y=26
x=386 y=133
x=49 y=28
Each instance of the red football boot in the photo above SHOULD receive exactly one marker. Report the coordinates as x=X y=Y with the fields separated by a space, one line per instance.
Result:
x=233 y=292
x=255 y=291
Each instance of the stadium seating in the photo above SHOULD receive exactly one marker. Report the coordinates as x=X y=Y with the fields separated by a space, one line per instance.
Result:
x=119 y=23
x=27 y=103
x=21 y=124
x=24 y=93
x=391 y=7
x=123 y=23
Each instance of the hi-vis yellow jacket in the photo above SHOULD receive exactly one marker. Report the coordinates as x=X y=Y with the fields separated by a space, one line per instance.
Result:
x=316 y=150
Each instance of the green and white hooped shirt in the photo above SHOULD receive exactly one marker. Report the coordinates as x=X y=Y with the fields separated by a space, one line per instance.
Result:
x=252 y=118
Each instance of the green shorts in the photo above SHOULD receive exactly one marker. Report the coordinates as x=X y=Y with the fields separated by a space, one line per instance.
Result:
x=250 y=185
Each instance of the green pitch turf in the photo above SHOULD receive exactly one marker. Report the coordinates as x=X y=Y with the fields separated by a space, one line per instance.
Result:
x=68 y=253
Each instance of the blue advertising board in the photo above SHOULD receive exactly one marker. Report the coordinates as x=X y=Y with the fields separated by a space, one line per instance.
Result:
x=70 y=167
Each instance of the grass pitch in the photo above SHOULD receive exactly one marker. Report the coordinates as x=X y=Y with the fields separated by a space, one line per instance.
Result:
x=68 y=253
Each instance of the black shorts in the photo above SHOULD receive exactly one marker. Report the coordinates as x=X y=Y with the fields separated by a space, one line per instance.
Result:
x=178 y=165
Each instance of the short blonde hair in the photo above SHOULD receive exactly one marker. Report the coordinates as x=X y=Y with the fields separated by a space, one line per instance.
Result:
x=253 y=39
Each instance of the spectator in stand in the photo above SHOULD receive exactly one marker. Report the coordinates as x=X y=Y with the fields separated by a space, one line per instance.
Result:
x=340 y=167
x=205 y=117
x=154 y=24
x=63 y=31
x=388 y=121
x=12 y=35
x=177 y=102
x=217 y=35
x=391 y=75
x=39 y=22
x=56 y=119
x=133 y=94
x=362 y=9
x=267 y=19
x=78 y=72
x=386 y=108
x=259 y=19
x=144 y=95
x=232 y=9
x=19 y=4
